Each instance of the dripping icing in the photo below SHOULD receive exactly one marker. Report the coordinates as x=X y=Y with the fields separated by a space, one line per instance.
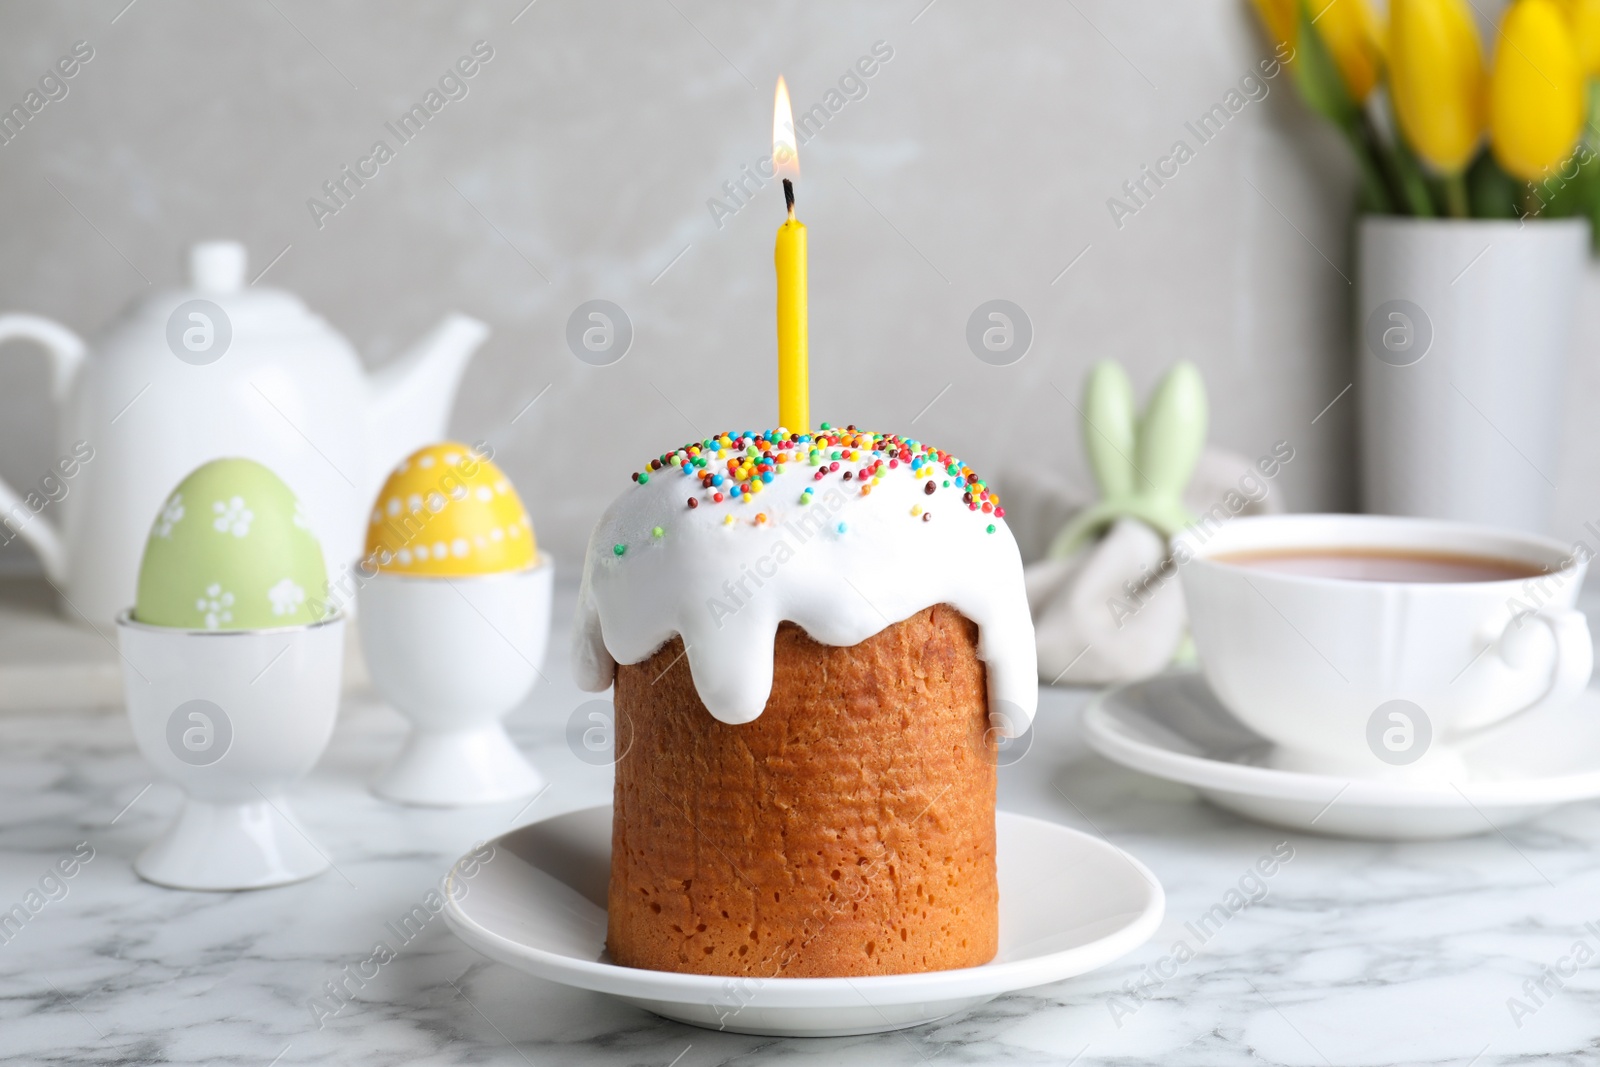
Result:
x=843 y=533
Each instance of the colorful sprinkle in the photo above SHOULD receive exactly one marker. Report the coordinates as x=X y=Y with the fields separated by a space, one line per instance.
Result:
x=739 y=465
x=619 y=549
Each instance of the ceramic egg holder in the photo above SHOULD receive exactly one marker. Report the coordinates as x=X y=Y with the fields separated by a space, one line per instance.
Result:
x=454 y=655
x=231 y=671
x=234 y=718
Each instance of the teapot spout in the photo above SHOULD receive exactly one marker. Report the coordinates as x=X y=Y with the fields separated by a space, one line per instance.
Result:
x=411 y=397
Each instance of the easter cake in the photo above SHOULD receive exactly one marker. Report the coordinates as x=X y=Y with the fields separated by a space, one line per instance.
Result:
x=815 y=641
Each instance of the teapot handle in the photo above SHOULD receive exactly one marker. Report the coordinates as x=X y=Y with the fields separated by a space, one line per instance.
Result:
x=66 y=351
x=66 y=348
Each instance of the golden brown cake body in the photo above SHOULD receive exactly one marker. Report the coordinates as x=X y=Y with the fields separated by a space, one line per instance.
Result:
x=849 y=830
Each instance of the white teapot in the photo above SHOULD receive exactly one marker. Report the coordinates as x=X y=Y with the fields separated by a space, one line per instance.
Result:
x=218 y=369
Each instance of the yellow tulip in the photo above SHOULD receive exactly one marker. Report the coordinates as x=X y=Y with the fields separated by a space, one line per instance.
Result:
x=1278 y=16
x=1349 y=29
x=1352 y=33
x=1535 y=90
x=1436 y=80
x=1585 y=18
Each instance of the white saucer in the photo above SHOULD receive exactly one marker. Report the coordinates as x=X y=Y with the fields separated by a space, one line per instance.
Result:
x=1069 y=903
x=1172 y=727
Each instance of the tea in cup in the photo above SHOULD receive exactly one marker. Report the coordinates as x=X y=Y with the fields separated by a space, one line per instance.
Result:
x=1374 y=646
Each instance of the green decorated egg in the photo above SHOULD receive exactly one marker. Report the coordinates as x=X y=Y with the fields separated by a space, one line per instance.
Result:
x=231 y=550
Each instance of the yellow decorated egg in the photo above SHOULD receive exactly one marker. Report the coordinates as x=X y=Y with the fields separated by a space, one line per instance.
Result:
x=447 y=511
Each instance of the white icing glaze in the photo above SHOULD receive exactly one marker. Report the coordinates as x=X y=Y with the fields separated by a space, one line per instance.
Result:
x=725 y=588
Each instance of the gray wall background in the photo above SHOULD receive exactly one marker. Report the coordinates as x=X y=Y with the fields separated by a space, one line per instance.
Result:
x=977 y=166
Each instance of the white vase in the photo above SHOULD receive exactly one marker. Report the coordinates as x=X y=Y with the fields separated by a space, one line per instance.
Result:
x=1462 y=332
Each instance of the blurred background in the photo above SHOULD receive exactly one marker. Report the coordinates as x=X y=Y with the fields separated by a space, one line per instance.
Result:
x=586 y=162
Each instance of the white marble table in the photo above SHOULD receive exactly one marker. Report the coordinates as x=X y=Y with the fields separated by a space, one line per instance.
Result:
x=1359 y=953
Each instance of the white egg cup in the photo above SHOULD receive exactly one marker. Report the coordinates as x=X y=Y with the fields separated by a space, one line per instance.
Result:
x=454 y=655
x=234 y=717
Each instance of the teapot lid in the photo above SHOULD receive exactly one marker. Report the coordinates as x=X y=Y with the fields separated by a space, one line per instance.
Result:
x=217 y=266
x=218 y=277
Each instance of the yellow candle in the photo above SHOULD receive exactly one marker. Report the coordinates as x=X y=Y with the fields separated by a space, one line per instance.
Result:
x=794 y=387
x=789 y=256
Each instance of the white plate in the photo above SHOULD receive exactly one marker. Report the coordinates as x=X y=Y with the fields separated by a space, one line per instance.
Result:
x=1069 y=903
x=1172 y=727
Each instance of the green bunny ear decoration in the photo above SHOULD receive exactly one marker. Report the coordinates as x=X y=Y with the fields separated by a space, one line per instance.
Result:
x=1173 y=432
x=1110 y=422
x=1141 y=465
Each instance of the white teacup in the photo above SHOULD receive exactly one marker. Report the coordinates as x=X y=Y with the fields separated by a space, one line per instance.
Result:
x=1380 y=679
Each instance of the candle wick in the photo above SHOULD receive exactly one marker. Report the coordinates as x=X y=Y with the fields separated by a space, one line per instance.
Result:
x=788 y=196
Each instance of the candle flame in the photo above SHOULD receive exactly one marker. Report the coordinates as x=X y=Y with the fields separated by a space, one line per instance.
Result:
x=785 y=152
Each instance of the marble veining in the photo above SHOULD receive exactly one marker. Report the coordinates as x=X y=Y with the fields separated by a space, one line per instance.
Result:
x=1356 y=953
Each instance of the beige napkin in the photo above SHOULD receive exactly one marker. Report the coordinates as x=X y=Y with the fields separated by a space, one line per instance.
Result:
x=1113 y=611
